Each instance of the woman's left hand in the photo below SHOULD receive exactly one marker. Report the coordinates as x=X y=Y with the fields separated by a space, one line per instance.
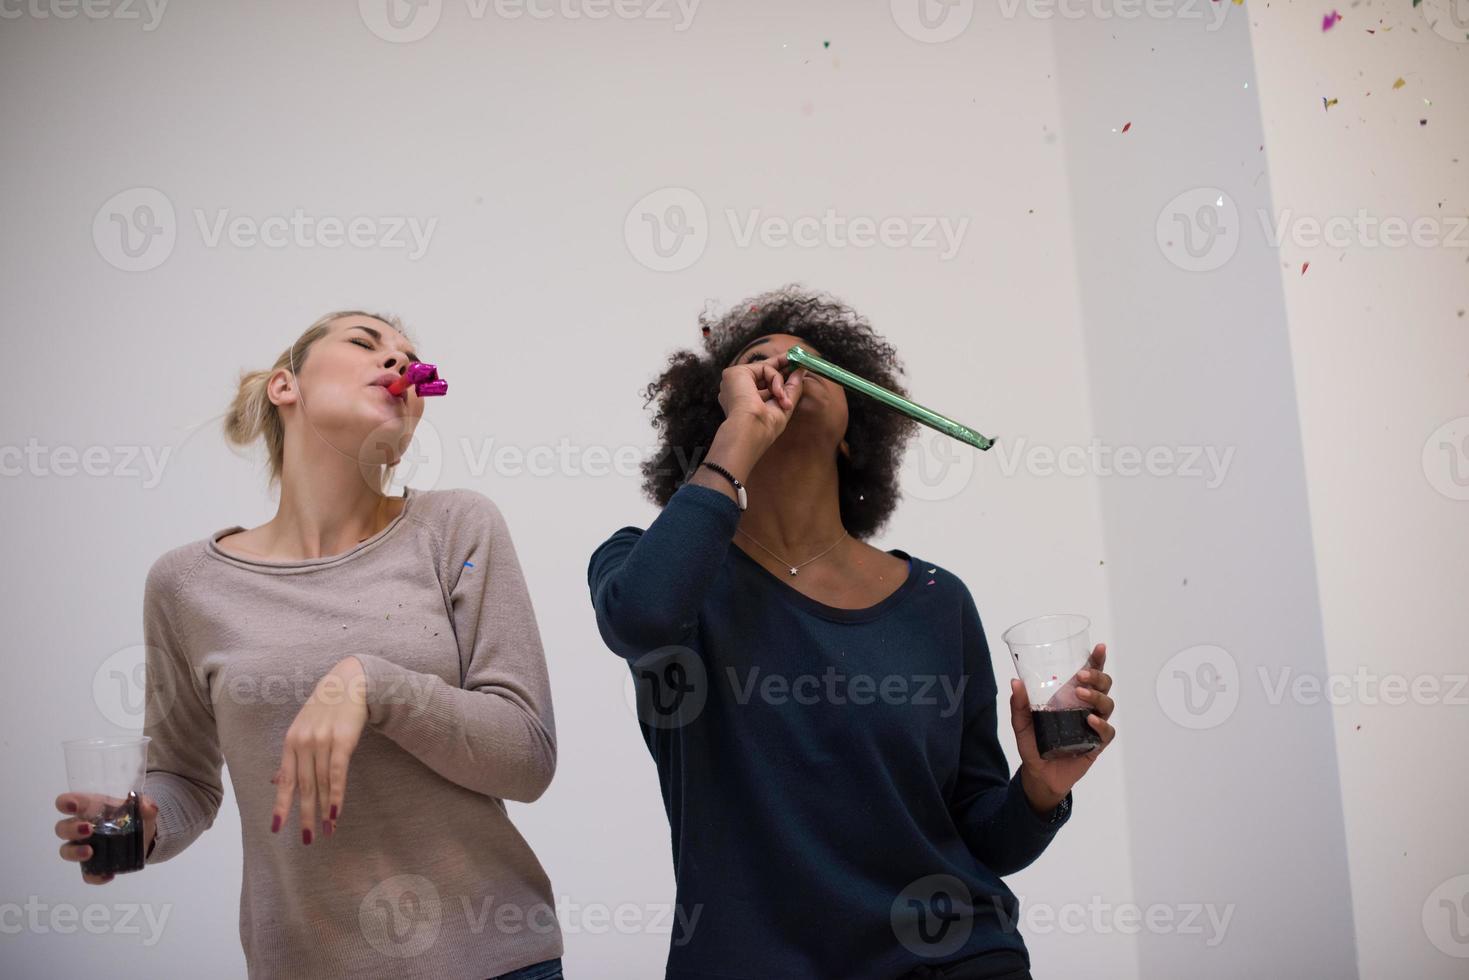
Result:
x=318 y=746
x=1047 y=781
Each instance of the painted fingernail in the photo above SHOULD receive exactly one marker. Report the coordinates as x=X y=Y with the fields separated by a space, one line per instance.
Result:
x=84 y=828
x=306 y=835
x=333 y=814
x=275 y=823
x=71 y=808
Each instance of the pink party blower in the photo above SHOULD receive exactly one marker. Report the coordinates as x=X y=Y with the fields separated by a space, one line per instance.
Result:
x=424 y=378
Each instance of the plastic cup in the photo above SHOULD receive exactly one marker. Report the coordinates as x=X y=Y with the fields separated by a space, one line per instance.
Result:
x=107 y=772
x=1048 y=652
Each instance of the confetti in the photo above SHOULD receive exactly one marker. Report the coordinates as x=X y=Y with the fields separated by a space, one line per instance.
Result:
x=1304 y=267
x=469 y=564
x=1398 y=84
x=1423 y=122
x=1126 y=127
x=826 y=44
x=1326 y=103
x=1330 y=20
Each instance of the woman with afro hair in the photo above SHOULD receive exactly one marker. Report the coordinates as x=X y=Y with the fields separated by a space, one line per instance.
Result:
x=822 y=713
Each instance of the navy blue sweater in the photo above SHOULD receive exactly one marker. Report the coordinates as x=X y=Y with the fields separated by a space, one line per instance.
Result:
x=839 y=803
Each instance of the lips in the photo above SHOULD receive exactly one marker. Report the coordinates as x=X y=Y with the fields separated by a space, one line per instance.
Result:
x=383 y=381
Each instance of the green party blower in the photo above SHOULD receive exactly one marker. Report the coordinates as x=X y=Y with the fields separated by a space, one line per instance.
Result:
x=800 y=358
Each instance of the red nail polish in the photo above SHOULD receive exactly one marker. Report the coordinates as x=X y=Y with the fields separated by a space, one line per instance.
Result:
x=306 y=835
x=275 y=823
x=84 y=828
x=333 y=814
x=71 y=808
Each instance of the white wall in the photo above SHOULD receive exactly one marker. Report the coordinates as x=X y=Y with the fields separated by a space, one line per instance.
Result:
x=1380 y=342
x=1233 y=803
x=529 y=142
x=534 y=145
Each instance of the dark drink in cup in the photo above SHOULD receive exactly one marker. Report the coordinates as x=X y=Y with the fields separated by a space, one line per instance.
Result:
x=1048 y=651
x=1064 y=732
x=107 y=773
x=116 y=840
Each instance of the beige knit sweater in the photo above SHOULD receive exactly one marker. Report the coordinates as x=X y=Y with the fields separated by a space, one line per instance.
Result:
x=425 y=875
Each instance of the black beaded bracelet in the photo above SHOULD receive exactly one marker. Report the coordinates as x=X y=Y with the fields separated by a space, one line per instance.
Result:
x=739 y=487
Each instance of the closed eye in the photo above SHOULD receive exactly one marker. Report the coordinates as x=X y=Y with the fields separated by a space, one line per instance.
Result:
x=361 y=343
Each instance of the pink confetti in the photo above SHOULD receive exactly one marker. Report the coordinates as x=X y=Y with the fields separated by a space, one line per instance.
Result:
x=1329 y=21
x=1126 y=127
x=1304 y=267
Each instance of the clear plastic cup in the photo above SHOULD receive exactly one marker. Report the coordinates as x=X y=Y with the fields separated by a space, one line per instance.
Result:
x=107 y=772
x=1048 y=652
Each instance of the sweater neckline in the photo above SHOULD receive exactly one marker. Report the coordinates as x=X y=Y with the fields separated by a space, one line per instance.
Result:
x=261 y=565
x=804 y=602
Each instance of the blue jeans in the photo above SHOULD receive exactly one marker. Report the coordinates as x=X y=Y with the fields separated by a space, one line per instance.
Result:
x=545 y=970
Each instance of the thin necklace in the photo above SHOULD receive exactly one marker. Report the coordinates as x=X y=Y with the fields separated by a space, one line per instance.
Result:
x=793 y=568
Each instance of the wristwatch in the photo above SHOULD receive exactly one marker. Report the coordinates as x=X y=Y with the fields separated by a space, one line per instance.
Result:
x=1059 y=814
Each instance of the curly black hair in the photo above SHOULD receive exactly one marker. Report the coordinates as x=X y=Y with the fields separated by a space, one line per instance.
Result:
x=688 y=413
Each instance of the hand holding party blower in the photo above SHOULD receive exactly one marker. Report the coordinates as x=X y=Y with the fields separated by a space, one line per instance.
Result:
x=800 y=358
x=424 y=378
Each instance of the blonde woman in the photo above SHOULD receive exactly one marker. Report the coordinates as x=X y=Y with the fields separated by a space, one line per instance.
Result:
x=370 y=668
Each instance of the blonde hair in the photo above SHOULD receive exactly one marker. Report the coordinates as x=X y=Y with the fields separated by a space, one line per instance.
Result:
x=253 y=416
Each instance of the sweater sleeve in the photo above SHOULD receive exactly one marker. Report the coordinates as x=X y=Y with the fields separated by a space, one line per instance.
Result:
x=184 y=757
x=495 y=732
x=647 y=586
x=988 y=803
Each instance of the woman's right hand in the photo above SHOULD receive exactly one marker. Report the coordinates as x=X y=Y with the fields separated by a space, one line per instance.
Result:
x=74 y=830
x=758 y=392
